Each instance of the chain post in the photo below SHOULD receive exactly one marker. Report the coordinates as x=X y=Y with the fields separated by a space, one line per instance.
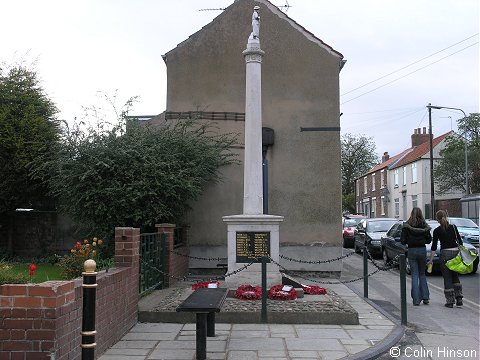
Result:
x=88 y=316
x=403 y=288
x=264 y=289
x=365 y=272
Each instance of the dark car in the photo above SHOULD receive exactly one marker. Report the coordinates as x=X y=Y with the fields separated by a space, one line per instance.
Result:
x=349 y=224
x=392 y=247
x=369 y=232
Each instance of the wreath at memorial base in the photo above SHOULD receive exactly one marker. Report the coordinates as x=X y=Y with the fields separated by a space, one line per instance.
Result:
x=276 y=293
x=314 y=290
x=204 y=284
x=248 y=292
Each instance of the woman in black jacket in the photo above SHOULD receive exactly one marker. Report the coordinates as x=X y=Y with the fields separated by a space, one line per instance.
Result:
x=449 y=241
x=415 y=234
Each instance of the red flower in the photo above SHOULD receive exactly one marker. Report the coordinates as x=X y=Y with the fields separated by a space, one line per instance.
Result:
x=78 y=245
x=33 y=268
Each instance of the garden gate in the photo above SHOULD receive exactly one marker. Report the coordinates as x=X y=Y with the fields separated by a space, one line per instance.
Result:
x=152 y=261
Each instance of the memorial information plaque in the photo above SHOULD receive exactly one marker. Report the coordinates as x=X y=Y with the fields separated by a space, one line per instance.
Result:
x=252 y=245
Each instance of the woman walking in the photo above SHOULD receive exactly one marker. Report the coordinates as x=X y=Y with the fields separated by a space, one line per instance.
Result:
x=449 y=241
x=415 y=234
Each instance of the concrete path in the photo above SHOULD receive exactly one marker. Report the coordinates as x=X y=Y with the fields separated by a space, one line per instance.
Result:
x=375 y=334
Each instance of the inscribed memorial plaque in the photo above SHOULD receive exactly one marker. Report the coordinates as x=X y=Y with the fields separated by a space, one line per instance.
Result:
x=252 y=245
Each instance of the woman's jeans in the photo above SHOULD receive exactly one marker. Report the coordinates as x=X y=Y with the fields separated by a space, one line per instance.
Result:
x=449 y=277
x=417 y=258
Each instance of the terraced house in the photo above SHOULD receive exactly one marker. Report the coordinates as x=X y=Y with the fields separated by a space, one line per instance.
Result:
x=401 y=182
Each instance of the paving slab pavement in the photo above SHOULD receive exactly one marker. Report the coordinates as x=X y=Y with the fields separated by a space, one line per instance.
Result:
x=375 y=333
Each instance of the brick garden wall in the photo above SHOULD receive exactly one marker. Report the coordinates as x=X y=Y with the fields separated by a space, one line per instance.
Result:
x=177 y=265
x=37 y=320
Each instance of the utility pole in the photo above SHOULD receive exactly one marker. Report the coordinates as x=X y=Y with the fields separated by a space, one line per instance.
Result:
x=432 y=185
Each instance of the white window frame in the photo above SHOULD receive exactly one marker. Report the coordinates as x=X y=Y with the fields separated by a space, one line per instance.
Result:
x=397 y=207
x=373 y=182
x=358 y=188
x=365 y=186
x=373 y=210
x=382 y=205
x=382 y=179
x=414 y=201
x=414 y=173
x=404 y=176
x=395 y=177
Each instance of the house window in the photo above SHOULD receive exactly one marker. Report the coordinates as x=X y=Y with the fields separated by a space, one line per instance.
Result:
x=382 y=205
x=374 y=207
x=358 y=185
x=414 y=201
x=395 y=177
x=414 y=173
x=365 y=185
x=373 y=182
x=404 y=175
x=382 y=179
x=397 y=207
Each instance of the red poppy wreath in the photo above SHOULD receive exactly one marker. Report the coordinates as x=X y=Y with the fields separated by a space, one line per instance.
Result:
x=205 y=284
x=248 y=292
x=314 y=290
x=280 y=292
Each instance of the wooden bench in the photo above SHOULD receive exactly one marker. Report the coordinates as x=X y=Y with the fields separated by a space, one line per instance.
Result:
x=205 y=303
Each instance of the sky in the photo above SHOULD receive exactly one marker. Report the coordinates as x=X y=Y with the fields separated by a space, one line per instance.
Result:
x=401 y=55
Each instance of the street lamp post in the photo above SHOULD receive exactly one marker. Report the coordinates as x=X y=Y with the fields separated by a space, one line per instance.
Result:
x=432 y=186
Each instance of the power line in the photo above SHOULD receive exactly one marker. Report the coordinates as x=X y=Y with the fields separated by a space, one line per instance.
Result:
x=410 y=73
x=416 y=62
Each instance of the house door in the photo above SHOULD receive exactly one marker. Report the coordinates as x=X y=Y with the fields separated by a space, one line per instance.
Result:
x=366 y=209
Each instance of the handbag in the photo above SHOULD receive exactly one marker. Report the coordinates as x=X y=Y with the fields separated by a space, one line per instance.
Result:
x=463 y=262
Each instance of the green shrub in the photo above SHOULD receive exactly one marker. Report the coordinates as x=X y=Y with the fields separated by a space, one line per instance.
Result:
x=72 y=265
x=7 y=277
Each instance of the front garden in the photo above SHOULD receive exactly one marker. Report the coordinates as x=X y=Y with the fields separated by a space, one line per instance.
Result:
x=54 y=267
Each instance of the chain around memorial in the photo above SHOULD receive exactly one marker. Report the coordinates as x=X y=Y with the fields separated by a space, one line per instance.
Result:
x=198 y=257
x=317 y=261
x=184 y=278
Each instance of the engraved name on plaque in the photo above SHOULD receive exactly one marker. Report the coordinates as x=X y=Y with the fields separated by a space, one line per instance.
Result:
x=252 y=245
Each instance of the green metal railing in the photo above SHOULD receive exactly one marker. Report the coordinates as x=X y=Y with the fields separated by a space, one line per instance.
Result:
x=152 y=259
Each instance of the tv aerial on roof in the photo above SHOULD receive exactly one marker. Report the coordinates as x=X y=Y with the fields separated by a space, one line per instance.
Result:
x=281 y=7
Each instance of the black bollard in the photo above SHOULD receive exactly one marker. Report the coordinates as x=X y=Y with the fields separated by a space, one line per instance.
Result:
x=403 y=289
x=365 y=272
x=264 y=289
x=88 y=317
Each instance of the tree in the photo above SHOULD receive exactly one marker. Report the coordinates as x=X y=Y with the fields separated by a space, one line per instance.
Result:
x=133 y=175
x=449 y=172
x=358 y=156
x=27 y=131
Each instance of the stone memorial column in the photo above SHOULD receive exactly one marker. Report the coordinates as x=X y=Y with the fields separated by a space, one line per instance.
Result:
x=252 y=234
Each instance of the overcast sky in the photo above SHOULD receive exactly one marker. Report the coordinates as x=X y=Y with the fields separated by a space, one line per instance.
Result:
x=430 y=46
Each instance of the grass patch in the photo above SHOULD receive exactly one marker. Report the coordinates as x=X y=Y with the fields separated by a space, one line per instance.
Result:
x=44 y=272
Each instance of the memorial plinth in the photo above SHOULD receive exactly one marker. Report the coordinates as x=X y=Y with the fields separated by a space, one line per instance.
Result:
x=250 y=237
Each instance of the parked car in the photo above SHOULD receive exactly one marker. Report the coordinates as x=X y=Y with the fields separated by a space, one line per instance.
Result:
x=468 y=230
x=392 y=247
x=349 y=224
x=369 y=232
